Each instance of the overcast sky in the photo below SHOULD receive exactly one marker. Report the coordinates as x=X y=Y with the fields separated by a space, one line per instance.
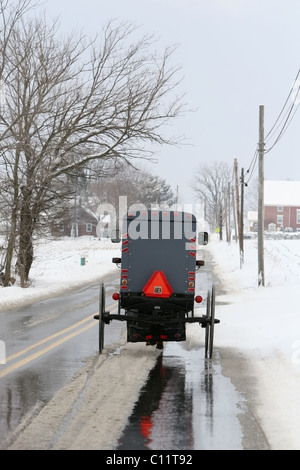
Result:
x=235 y=56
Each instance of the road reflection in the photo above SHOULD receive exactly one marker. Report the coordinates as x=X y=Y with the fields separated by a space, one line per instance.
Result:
x=137 y=434
x=24 y=393
x=186 y=404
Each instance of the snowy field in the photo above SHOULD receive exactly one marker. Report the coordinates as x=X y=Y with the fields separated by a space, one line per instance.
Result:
x=261 y=323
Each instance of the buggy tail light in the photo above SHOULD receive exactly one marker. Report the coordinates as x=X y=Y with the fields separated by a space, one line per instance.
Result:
x=124 y=279
x=148 y=337
x=116 y=296
x=200 y=262
x=198 y=299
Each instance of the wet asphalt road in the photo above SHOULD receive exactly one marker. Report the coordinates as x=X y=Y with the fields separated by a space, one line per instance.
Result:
x=46 y=344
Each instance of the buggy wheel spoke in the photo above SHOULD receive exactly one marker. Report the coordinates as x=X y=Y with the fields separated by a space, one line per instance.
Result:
x=207 y=328
x=212 y=322
x=101 y=312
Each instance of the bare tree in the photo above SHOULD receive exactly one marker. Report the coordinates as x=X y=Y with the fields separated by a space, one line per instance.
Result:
x=69 y=102
x=140 y=186
x=251 y=194
x=210 y=185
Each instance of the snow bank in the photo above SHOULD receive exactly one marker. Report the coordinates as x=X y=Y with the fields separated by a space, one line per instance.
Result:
x=264 y=318
x=263 y=323
x=61 y=265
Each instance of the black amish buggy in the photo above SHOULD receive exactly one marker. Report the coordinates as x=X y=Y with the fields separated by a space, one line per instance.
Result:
x=158 y=267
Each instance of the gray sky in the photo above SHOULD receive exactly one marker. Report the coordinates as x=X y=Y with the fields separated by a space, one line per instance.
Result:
x=235 y=55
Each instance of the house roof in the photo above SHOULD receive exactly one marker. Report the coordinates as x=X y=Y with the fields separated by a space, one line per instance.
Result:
x=282 y=193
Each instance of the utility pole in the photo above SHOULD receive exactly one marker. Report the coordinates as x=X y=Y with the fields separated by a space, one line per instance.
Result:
x=225 y=213
x=242 y=219
x=237 y=198
x=260 y=234
x=229 y=208
x=238 y=213
x=234 y=215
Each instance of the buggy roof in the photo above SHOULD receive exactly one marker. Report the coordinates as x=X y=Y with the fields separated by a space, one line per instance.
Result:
x=160 y=224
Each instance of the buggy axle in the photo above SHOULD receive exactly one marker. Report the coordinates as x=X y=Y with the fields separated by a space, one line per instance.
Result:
x=203 y=321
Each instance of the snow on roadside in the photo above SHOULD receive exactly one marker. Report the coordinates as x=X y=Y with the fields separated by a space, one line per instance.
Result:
x=267 y=318
x=61 y=265
x=263 y=323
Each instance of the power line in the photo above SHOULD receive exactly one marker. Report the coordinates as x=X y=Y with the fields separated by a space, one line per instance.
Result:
x=252 y=166
x=288 y=113
x=284 y=118
x=286 y=101
x=285 y=126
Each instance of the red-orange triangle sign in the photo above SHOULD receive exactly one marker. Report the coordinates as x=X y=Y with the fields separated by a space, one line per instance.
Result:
x=158 y=286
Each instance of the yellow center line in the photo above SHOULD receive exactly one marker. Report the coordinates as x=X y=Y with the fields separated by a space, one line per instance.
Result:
x=45 y=350
x=51 y=346
x=49 y=338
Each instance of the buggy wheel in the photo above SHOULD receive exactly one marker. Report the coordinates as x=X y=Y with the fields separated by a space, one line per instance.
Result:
x=212 y=321
x=207 y=328
x=101 y=312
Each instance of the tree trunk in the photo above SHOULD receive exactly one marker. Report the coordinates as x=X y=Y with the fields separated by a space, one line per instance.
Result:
x=25 y=254
x=25 y=258
x=13 y=225
x=10 y=248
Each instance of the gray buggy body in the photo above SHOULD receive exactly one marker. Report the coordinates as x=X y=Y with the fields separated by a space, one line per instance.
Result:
x=158 y=277
x=159 y=241
x=158 y=263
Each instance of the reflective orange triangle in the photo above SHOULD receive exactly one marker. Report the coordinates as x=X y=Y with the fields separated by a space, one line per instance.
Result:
x=157 y=286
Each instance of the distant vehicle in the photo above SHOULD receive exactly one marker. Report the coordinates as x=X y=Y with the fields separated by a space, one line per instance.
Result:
x=158 y=280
